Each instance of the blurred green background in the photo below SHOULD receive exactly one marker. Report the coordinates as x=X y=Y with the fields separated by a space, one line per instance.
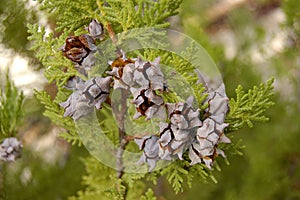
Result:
x=250 y=41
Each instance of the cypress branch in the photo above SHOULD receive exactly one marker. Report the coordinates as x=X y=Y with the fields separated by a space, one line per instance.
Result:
x=55 y=113
x=118 y=16
x=11 y=102
x=249 y=107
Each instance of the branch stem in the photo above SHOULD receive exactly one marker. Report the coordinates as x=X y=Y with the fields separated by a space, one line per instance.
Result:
x=111 y=33
x=120 y=110
x=122 y=142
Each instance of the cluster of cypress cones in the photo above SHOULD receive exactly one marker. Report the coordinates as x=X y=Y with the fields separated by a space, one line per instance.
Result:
x=181 y=127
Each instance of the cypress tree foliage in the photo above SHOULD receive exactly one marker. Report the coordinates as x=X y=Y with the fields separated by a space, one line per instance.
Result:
x=116 y=17
x=249 y=107
x=11 y=101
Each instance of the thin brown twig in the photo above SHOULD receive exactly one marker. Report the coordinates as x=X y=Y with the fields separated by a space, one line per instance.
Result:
x=123 y=141
x=119 y=111
x=111 y=33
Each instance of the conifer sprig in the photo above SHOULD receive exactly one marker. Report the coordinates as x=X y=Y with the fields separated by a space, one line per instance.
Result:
x=250 y=106
x=11 y=102
x=46 y=48
x=131 y=14
x=55 y=113
x=72 y=15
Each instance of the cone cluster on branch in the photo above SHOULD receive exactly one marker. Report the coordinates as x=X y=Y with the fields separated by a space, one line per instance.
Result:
x=185 y=131
x=10 y=149
x=183 y=127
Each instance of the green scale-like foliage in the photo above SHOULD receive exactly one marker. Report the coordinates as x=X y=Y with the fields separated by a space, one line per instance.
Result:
x=140 y=14
x=47 y=51
x=73 y=15
x=55 y=113
x=11 y=101
x=100 y=184
x=249 y=107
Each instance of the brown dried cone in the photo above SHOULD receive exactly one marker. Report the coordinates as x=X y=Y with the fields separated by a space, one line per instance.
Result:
x=10 y=149
x=80 y=49
x=148 y=104
x=77 y=48
x=92 y=93
x=121 y=71
x=150 y=147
